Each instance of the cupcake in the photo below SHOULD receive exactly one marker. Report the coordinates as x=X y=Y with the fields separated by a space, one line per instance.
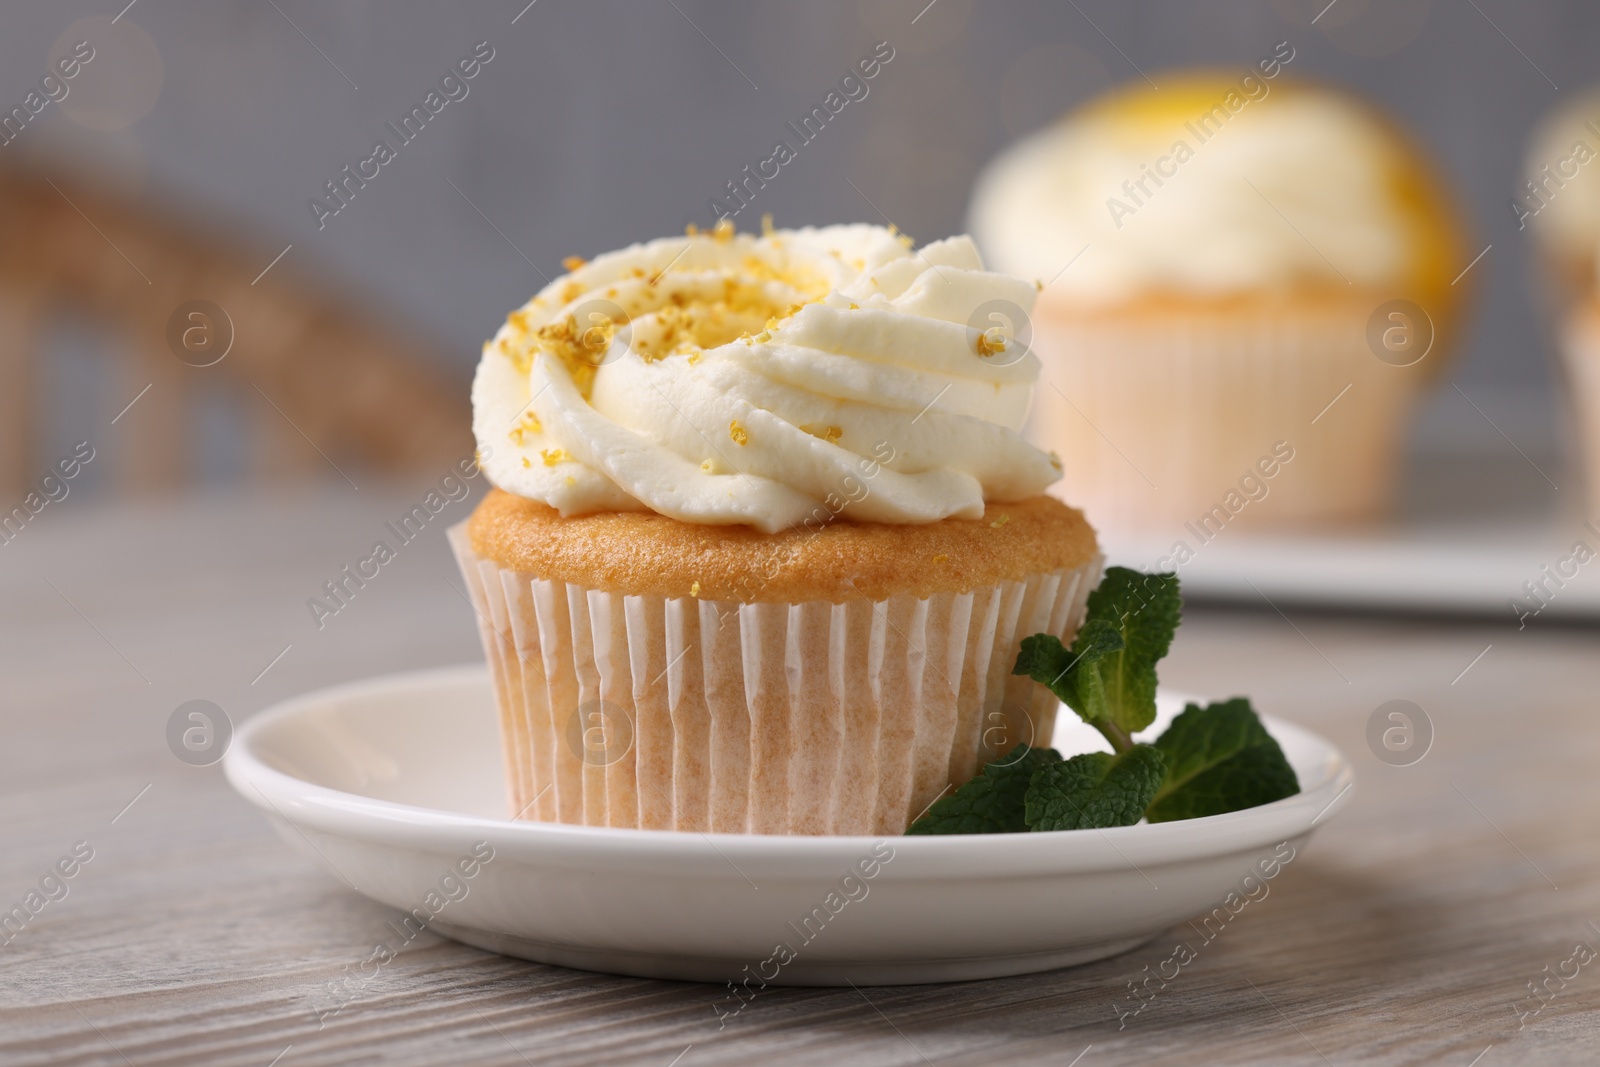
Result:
x=1558 y=200
x=1241 y=275
x=765 y=535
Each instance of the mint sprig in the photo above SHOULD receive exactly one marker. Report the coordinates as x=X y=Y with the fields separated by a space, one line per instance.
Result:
x=1108 y=676
x=1210 y=760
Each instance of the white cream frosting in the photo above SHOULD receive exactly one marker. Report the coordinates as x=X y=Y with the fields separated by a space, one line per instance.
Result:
x=1292 y=187
x=765 y=381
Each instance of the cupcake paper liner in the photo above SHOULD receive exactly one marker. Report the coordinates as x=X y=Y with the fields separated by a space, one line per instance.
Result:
x=1580 y=356
x=1158 y=417
x=806 y=718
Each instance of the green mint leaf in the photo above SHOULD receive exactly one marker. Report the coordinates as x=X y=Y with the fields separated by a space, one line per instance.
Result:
x=1219 y=758
x=1044 y=659
x=992 y=803
x=1145 y=610
x=1108 y=676
x=1094 y=790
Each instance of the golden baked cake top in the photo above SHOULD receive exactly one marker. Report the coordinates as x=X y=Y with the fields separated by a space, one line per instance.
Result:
x=642 y=553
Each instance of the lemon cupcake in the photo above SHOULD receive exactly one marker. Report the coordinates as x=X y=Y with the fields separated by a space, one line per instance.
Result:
x=1558 y=200
x=766 y=535
x=1241 y=274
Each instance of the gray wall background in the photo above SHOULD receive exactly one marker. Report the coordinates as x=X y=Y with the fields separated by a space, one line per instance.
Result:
x=605 y=122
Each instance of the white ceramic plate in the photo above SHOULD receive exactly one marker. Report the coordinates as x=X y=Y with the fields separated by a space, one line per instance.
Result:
x=1479 y=568
x=395 y=784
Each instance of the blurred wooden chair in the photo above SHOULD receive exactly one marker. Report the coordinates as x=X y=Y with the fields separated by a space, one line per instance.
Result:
x=313 y=372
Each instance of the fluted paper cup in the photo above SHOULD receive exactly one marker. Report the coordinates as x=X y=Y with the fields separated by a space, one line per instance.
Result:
x=1159 y=416
x=808 y=718
x=1580 y=356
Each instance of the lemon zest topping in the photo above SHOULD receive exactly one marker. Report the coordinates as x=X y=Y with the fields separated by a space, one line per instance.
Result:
x=529 y=423
x=990 y=346
x=825 y=433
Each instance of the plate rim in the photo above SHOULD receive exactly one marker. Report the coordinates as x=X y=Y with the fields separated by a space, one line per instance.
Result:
x=351 y=815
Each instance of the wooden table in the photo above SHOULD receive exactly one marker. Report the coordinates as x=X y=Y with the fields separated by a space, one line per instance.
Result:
x=1407 y=933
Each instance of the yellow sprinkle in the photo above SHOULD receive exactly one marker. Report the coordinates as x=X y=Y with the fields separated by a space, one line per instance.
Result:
x=709 y=466
x=1001 y=521
x=988 y=346
x=723 y=230
x=552 y=456
x=762 y=338
x=530 y=424
x=526 y=462
x=1055 y=461
x=694 y=590
x=740 y=435
x=571 y=480
x=691 y=230
x=1038 y=285
x=766 y=224
x=855 y=307
x=694 y=357
x=826 y=433
x=942 y=557
x=573 y=262
x=772 y=324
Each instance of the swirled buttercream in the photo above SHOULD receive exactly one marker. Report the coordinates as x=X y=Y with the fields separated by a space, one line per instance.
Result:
x=766 y=380
x=1205 y=189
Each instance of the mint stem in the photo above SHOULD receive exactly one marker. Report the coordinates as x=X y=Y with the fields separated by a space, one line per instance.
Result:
x=1121 y=740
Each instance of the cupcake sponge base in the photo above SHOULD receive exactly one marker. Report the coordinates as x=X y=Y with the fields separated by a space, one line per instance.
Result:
x=639 y=708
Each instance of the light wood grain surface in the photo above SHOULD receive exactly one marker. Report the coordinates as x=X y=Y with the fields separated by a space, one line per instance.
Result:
x=1406 y=933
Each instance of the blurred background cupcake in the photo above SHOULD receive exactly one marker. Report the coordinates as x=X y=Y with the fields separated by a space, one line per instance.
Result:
x=1558 y=200
x=1245 y=283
